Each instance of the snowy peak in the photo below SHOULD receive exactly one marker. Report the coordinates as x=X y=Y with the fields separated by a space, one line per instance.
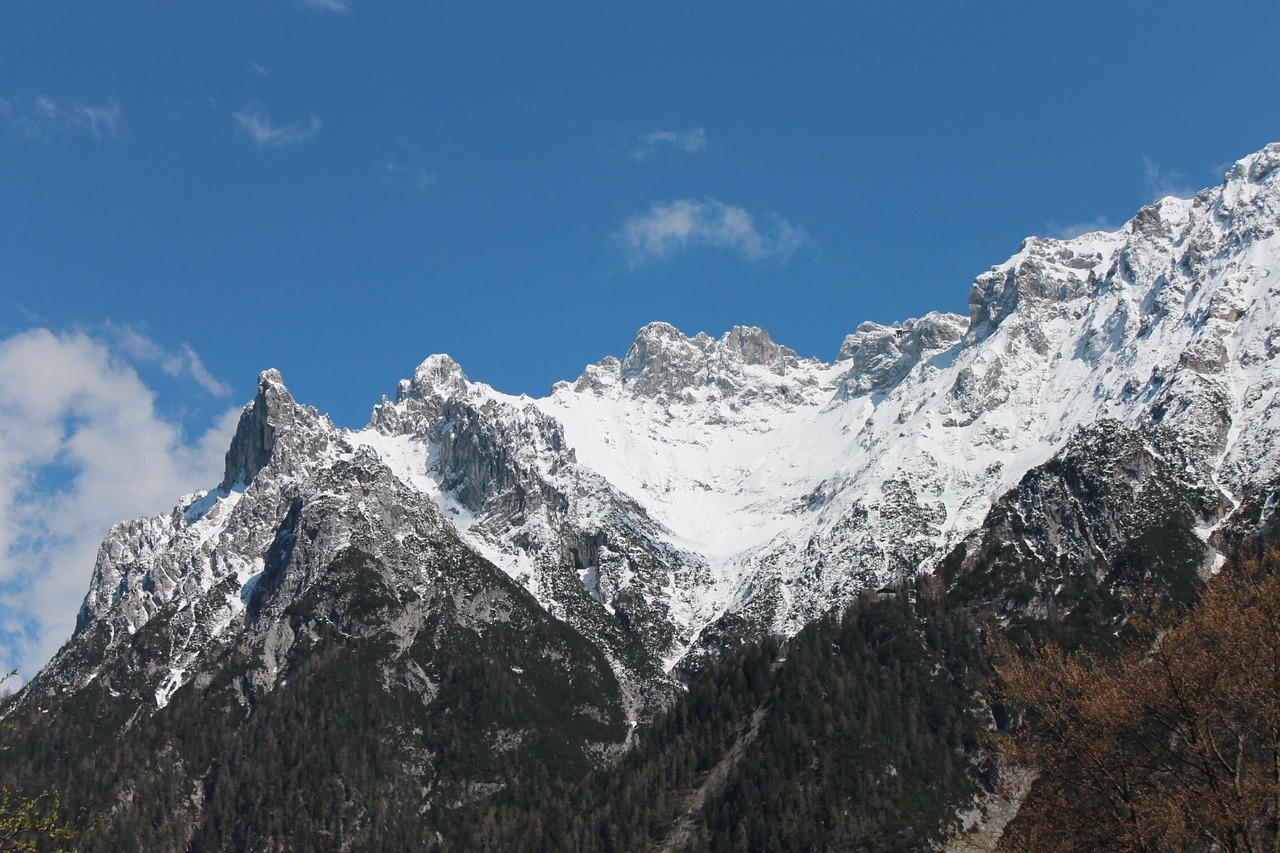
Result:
x=1044 y=274
x=752 y=346
x=1258 y=169
x=1249 y=202
x=1257 y=166
x=664 y=360
x=701 y=483
x=439 y=385
x=1192 y=233
x=437 y=378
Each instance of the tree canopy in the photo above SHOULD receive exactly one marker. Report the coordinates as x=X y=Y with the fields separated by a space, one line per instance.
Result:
x=1171 y=744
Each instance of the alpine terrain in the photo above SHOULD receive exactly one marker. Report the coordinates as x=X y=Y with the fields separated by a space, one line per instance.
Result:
x=399 y=636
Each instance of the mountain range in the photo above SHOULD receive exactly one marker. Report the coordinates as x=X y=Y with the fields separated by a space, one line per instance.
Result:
x=476 y=585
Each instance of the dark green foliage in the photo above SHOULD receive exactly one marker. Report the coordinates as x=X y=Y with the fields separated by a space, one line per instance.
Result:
x=859 y=734
x=28 y=822
x=360 y=744
x=869 y=741
x=1064 y=557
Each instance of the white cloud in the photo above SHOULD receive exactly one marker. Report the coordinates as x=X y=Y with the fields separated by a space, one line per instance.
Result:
x=81 y=447
x=103 y=120
x=1159 y=182
x=185 y=362
x=668 y=227
x=415 y=176
x=256 y=125
x=1077 y=229
x=206 y=380
x=689 y=141
x=43 y=118
x=342 y=7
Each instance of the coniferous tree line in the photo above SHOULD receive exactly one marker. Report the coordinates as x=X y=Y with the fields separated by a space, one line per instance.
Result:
x=862 y=730
x=340 y=753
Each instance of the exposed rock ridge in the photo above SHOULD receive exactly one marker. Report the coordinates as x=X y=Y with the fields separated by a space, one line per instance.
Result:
x=273 y=413
x=882 y=356
x=664 y=363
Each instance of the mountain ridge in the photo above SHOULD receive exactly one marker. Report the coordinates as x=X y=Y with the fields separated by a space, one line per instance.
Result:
x=702 y=480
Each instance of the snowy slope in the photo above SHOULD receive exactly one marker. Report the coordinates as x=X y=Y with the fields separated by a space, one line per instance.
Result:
x=795 y=482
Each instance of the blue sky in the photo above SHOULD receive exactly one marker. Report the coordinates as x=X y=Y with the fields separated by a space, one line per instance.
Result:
x=193 y=192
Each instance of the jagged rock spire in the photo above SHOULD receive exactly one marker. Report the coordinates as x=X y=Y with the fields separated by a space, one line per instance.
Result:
x=256 y=432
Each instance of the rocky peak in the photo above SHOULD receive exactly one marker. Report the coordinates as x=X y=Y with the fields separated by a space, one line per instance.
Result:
x=437 y=378
x=596 y=377
x=1257 y=167
x=1044 y=274
x=1248 y=203
x=271 y=413
x=881 y=356
x=700 y=483
x=753 y=346
x=438 y=385
x=663 y=359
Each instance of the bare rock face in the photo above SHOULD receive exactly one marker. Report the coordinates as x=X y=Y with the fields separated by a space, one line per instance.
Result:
x=273 y=412
x=662 y=359
x=1114 y=515
x=754 y=347
x=211 y=541
x=882 y=356
x=664 y=362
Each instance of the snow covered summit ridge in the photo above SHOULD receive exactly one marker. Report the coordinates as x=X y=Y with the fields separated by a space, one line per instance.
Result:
x=794 y=481
x=699 y=483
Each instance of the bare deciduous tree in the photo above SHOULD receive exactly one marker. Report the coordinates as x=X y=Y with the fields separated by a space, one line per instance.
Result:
x=1173 y=745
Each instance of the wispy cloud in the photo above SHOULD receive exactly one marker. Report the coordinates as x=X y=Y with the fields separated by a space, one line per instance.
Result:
x=415 y=176
x=257 y=125
x=43 y=118
x=689 y=141
x=1077 y=229
x=341 y=7
x=25 y=314
x=260 y=70
x=185 y=362
x=81 y=447
x=1159 y=182
x=668 y=227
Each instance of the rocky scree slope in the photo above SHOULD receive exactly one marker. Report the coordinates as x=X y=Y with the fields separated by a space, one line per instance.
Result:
x=699 y=490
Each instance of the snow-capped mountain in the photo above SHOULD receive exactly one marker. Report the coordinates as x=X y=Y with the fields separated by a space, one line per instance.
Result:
x=479 y=593
x=702 y=488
